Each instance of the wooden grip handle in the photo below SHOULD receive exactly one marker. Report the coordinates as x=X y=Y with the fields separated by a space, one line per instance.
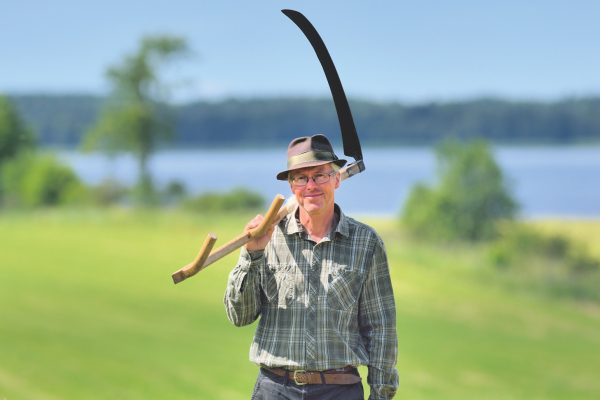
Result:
x=289 y=206
x=269 y=219
x=195 y=266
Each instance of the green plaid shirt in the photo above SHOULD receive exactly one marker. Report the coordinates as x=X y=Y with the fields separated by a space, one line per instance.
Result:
x=322 y=306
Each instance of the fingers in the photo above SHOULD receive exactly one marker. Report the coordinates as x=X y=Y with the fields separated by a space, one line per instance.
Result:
x=258 y=243
x=254 y=222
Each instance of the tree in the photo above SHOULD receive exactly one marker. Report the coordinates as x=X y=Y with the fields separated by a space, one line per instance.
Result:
x=136 y=117
x=14 y=135
x=469 y=199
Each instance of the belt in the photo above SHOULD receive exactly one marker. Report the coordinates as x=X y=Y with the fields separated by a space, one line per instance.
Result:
x=340 y=376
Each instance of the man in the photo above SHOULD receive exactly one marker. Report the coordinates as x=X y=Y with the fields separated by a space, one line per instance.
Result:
x=320 y=283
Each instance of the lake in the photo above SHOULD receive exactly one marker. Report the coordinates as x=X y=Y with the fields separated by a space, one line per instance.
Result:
x=546 y=181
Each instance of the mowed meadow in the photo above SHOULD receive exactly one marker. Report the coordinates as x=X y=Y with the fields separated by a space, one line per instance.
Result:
x=88 y=310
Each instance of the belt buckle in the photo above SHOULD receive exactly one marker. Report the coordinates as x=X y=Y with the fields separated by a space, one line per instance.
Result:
x=295 y=376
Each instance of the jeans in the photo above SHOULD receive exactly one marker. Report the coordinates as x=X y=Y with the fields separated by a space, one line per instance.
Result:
x=270 y=387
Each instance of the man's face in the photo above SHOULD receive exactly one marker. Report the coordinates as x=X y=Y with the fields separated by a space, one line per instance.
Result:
x=315 y=198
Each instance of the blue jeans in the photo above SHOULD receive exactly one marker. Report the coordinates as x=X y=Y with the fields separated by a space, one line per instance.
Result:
x=270 y=387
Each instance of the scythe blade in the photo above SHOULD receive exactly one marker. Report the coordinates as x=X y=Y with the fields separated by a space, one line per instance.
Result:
x=348 y=129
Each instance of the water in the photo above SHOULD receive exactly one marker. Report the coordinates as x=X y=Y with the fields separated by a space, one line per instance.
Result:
x=546 y=181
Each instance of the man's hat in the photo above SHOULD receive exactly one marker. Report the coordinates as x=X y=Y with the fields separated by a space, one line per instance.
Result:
x=309 y=151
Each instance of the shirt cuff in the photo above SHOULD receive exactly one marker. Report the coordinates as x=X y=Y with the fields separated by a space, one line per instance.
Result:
x=250 y=258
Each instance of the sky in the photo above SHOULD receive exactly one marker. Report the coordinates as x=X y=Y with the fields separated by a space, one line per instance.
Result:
x=384 y=50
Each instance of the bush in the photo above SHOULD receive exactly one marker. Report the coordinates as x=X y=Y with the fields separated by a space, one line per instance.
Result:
x=468 y=201
x=548 y=263
x=237 y=200
x=31 y=180
x=107 y=193
x=526 y=248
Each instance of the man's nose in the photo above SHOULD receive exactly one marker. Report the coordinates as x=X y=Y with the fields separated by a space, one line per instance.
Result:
x=311 y=183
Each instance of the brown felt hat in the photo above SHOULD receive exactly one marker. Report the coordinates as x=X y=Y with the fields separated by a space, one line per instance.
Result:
x=309 y=151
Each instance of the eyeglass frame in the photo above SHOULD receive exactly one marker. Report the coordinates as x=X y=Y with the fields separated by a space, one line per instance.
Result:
x=308 y=178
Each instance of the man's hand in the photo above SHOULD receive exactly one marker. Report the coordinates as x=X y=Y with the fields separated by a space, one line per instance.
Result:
x=258 y=243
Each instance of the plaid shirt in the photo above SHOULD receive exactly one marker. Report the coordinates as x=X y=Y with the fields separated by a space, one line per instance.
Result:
x=322 y=306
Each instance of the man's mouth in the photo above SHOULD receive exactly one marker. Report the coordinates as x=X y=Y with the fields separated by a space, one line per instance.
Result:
x=313 y=195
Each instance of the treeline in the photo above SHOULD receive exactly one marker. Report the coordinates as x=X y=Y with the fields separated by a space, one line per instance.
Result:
x=61 y=120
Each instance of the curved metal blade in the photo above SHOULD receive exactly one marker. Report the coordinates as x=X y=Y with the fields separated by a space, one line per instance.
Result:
x=349 y=135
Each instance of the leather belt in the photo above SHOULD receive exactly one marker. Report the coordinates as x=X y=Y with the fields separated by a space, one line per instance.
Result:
x=340 y=376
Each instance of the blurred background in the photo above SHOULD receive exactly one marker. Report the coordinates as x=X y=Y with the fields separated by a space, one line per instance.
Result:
x=130 y=130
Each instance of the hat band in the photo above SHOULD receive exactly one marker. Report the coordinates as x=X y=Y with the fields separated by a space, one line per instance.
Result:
x=311 y=156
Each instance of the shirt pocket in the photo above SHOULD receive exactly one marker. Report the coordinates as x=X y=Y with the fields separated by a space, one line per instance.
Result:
x=343 y=287
x=278 y=284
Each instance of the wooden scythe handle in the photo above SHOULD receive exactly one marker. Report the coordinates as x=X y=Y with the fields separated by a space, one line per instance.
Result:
x=275 y=214
x=203 y=259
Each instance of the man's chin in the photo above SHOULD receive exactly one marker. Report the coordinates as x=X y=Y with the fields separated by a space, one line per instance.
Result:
x=312 y=205
x=311 y=208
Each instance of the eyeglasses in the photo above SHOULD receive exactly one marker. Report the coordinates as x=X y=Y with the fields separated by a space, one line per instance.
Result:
x=319 y=179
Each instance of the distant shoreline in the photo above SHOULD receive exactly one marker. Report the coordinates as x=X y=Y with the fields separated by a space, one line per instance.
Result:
x=62 y=120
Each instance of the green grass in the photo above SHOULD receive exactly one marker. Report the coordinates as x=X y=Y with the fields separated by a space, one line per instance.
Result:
x=88 y=310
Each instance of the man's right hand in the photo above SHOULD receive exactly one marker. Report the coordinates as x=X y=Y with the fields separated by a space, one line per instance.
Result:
x=258 y=243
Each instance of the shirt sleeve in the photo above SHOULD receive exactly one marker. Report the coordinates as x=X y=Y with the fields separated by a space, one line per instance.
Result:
x=377 y=318
x=242 y=295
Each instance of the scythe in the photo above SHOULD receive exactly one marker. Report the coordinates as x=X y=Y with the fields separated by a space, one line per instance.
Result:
x=276 y=212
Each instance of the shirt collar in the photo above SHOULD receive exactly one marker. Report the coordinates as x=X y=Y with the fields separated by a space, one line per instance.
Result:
x=293 y=224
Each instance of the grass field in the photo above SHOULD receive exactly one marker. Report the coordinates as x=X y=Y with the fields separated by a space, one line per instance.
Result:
x=88 y=311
